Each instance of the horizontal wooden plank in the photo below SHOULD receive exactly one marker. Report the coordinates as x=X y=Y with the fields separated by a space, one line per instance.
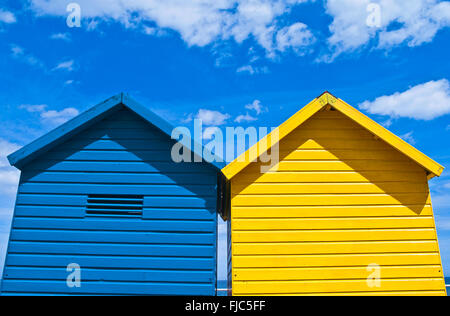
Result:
x=111 y=143
x=329 y=123
x=330 y=132
x=329 y=188
x=336 y=199
x=100 y=167
x=125 y=115
x=335 y=235
x=332 y=144
x=89 y=274
x=332 y=223
x=412 y=284
x=346 y=260
x=132 y=189
x=149 y=213
x=330 y=211
x=183 y=263
x=334 y=273
x=50 y=211
x=152 y=178
x=347 y=165
x=157 y=154
x=115 y=225
x=119 y=134
x=298 y=248
x=182 y=213
x=69 y=248
x=255 y=175
x=342 y=155
x=113 y=237
x=118 y=288
x=129 y=122
x=180 y=202
x=48 y=199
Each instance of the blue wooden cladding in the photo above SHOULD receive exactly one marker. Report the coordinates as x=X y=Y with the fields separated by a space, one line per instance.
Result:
x=102 y=192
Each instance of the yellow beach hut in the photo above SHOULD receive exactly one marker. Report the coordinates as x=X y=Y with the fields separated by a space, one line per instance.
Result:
x=345 y=211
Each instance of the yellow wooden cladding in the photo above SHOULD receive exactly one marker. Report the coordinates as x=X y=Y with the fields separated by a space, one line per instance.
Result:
x=320 y=286
x=329 y=199
x=324 y=188
x=327 y=223
x=320 y=177
x=330 y=211
x=333 y=273
x=339 y=203
x=334 y=247
x=334 y=235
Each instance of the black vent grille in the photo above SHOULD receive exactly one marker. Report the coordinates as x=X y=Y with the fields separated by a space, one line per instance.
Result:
x=115 y=205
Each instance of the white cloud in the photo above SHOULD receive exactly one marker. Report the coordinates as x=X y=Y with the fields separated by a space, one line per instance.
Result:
x=188 y=118
x=209 y=132
x=416 y=22
x=209 y=117
x=33 y=107
x=199 y=23
x=252 y=70
x=61 y=36
x=59 y=117
x=6 y=148
x=7 y=17
x=297 y=37
x=51 y=117
x=9 y=176
x=257 y=107
x=19 y=53
x=408 y=137
x=154 y=31
x=245 y=118
x=254 y=106
x=65 y=65
x=423 y=102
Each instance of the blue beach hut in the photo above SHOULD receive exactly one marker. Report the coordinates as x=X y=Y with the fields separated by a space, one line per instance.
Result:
x=102 y=209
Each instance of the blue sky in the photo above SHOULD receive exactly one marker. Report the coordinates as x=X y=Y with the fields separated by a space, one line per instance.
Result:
x=230 y=62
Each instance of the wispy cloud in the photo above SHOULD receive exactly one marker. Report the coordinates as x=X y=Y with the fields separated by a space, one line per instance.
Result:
x=51 y=117
x=9 y=176
x=68 y=65
x=212 y=118
x=20 y=54
x=209 y=132
x=245 y=118
x=423 y=102
x=7 y=17
x=408 y=137
x=59 y=117
x=61 y=36
x=33 y=107
x=257 y=107
x=253 y=70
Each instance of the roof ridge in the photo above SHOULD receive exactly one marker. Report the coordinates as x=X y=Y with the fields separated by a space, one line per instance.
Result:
x=324 y=100
x=96 y=113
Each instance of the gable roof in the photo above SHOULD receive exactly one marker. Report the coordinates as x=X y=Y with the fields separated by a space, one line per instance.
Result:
x=326 y=99
x=90 y=117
